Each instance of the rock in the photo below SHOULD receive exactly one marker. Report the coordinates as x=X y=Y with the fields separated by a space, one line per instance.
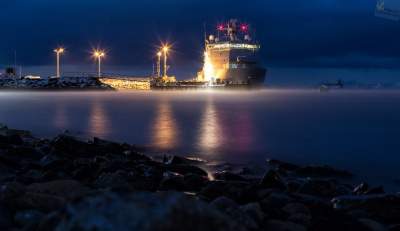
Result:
x=272 y=205
x=146 y=212
x=375 y=190
x=6 y=219
x=298 y=213
x=364 y=189
x=228 y=176
x=372 y=225
x=67 y=189
x=384 y=208
x=228 y=206
x=295 y=208
x=186 y=169
x=28 y=217
x=172 y=181
x=42 y=202
x=322 y=171
x=282 y=165
x=178 y=160
x=112 y=180
x=254 y=211
x=361 y=189
x=236 y=191
x=277 y=225
x=322 y=188
x=194 y=183
x=395 y=227
x=272 y=180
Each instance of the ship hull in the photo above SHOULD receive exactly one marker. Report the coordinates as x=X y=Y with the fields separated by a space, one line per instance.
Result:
x=245 y=76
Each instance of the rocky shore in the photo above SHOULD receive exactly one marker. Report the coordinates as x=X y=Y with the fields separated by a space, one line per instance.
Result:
x=68 y=184
x=56 y=83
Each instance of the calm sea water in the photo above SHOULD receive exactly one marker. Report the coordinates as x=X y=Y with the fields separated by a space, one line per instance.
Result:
x=354 y=130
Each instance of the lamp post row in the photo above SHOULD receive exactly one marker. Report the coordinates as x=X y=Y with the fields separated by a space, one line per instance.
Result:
x=100 y=54
x=97 y=54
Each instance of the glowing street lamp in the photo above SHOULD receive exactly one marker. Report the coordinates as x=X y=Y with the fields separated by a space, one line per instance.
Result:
x=165 y=50
x=99 y=54
x=58 y=52
x=159 y=54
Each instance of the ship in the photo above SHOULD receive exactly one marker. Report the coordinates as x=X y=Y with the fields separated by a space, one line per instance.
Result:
x=231 y=57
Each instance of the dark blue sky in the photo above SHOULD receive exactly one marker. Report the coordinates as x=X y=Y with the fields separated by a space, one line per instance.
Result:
x=340 y=33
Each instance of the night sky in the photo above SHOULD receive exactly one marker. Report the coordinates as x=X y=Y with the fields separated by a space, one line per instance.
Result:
x=312 y=33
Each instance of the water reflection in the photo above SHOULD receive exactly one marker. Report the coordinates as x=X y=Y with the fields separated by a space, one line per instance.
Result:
x=243 y=131
x=60 y=118
x=210 y=134
x=164 y=128
x=99 y=124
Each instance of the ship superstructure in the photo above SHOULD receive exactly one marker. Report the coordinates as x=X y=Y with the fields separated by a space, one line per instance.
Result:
x=231 y=57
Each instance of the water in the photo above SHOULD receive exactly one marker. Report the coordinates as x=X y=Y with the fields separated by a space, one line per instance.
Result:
x=354 y=130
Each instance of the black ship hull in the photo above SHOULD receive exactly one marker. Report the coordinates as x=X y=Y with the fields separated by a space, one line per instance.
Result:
x=245 y=76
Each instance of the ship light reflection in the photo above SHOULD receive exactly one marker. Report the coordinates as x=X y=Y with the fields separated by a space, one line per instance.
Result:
x=164 y=128
x=210 y=131
x=98 y=120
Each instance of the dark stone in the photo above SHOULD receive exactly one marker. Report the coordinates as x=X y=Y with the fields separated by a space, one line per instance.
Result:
x=282 y=165
x=228 y=176
x=42 y=202
x=236 y=191
x=146 y=212
x=322 y=188
x=28 y=217
x=375 y=190
x=6 y=219
x=194 y=183
x=172 y=181
x=273 y=180
x=277 y=225
x=395 y=227
x=383 y=208
x=67 y=189
x=186 y=169
x=177 y=160
x=322 y=171
x=361 y=189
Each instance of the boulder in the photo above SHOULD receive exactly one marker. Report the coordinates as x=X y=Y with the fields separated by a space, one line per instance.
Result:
x=277 y=225
x=28 y=217
x=371 y=225
x=322 y=171
x=273 y=180
x=146 y=212
x=6 y=219
x=282 y=165
x=228 y=176
x=186 y=169
x=323 y=188
x=67 y=189
x=383 y=208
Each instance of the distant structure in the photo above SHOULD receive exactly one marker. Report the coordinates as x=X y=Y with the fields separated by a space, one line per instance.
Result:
x=388 y=9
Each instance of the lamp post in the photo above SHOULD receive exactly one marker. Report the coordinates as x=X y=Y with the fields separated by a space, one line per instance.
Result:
x=165 y=50
x=159 y=54
x=99 y=54
x=58 y=52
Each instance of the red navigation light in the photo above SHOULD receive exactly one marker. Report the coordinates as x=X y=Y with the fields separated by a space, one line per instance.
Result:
x=220 y=27
x=244 y=27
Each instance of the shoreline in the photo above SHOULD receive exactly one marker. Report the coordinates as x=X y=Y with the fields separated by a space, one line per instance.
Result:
x=65 y=183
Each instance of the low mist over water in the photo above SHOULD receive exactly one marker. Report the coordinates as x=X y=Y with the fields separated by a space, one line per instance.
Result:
x=356 y=130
